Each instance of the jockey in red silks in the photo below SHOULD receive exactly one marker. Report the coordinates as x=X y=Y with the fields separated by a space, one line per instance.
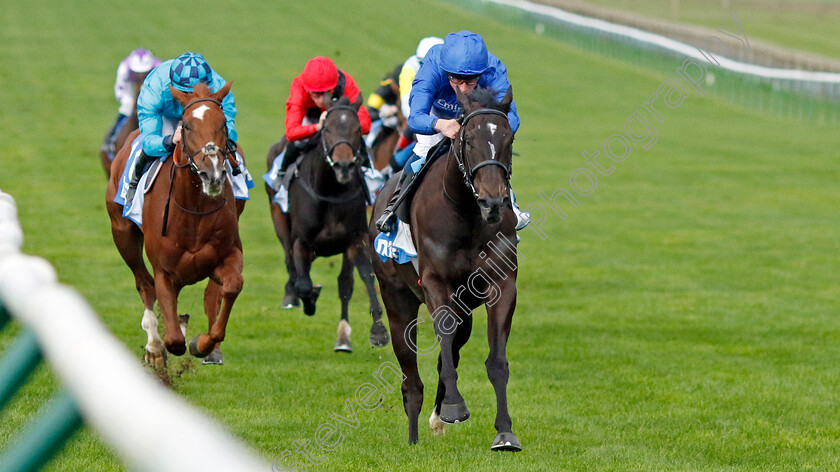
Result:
x=462 y=62
x=319 y=83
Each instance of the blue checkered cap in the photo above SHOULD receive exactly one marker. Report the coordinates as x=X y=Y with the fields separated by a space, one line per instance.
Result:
x=187 y=70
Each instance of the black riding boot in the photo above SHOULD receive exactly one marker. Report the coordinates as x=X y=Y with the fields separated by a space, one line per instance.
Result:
x=388 y=221
x=290 y=154
x=139 y=167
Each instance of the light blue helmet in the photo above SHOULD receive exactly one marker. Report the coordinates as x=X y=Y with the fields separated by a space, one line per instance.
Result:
x=464 y=53
x=189 y=69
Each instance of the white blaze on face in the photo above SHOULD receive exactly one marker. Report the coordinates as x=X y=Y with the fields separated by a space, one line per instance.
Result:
x=214 y=157
x=199 y=112
x=492 y=128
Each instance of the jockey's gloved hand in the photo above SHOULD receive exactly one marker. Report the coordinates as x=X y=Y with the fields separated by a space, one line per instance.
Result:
x=168 y=144
x=230 y=150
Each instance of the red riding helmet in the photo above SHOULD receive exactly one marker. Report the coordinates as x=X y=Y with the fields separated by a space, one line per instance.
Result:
x=320 y=75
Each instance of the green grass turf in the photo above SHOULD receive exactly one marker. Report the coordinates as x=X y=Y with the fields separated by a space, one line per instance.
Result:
x=806 y=25
x=682 y=318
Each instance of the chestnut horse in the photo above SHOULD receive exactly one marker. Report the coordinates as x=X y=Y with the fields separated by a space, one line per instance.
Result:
x=190 y=229
x=463 y=228
x=327 y=216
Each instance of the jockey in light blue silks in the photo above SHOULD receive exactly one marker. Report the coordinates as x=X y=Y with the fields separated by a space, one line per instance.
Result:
x=159 y=114
x=462 y=62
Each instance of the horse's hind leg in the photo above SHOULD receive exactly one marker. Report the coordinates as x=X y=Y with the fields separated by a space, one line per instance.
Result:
x=345 y=292
x=281 y=229
x=402 y=306
x=361 y=259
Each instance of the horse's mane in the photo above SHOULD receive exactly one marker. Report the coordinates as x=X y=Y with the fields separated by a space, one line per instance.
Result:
x=486 y=98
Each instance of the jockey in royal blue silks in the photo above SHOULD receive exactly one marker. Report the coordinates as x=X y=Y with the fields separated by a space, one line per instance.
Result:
x=462 y=62
x=159 y=114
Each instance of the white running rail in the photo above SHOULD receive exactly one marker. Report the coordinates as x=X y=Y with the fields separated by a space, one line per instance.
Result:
x=149 y=426
x=663 y=42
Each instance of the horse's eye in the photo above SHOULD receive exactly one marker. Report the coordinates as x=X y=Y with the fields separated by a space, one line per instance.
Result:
x=186 y=126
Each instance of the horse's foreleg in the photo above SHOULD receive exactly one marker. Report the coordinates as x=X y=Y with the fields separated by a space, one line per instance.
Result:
x=129 y=241
x=448 y=322
x=450 y=406
x=228 y=279
x=402 y=308
x=167 y=295
x=462 y=335
x=345 y=292
x=303 y=256
x=361 y=259
x=499 y=318
x=155 y=355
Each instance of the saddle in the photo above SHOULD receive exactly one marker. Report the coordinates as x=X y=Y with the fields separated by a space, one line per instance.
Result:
x=403 y=206
x=151 y=173
x=292 y=169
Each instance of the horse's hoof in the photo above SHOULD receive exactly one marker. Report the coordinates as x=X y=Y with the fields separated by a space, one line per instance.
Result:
x=454 y=413
x=194 y=348
x=156 y=360
x=506 y=442
x=343 y=345
x=308 y=306
x=290 y=301
x=378 y=334
x=177 y=349
x=214 y=358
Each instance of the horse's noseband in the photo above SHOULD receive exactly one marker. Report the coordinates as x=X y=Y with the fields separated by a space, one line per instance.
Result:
x=469 y=173
x=209 y=149
x=328 y=149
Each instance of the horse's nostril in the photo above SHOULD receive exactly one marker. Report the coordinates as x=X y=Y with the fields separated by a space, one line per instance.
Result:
x=490 y=203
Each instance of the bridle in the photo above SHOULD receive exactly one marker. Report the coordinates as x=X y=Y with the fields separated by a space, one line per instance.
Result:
x=328 y=149
x=209 y=150
x=467 y=172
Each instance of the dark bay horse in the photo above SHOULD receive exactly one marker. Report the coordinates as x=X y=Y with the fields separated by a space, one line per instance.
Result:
x=327 y=216
x=190 y=230
x=463 y=228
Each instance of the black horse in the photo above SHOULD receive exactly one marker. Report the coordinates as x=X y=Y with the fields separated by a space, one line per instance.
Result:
x=462 y=225
x=327 y=216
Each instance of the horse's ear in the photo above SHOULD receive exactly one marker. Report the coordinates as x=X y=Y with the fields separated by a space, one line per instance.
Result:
x=357 y=103
x=462 y=99
x=508 y=99
x=179 y=95
x=220 y=95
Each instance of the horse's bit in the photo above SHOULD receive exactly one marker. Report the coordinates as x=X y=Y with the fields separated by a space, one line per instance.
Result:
x=208 y=149
x=328 y=150
x=469 y=173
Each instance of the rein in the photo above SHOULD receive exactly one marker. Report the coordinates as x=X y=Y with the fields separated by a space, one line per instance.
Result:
x=207 y=149
x=467 y=172
x=328 y=150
